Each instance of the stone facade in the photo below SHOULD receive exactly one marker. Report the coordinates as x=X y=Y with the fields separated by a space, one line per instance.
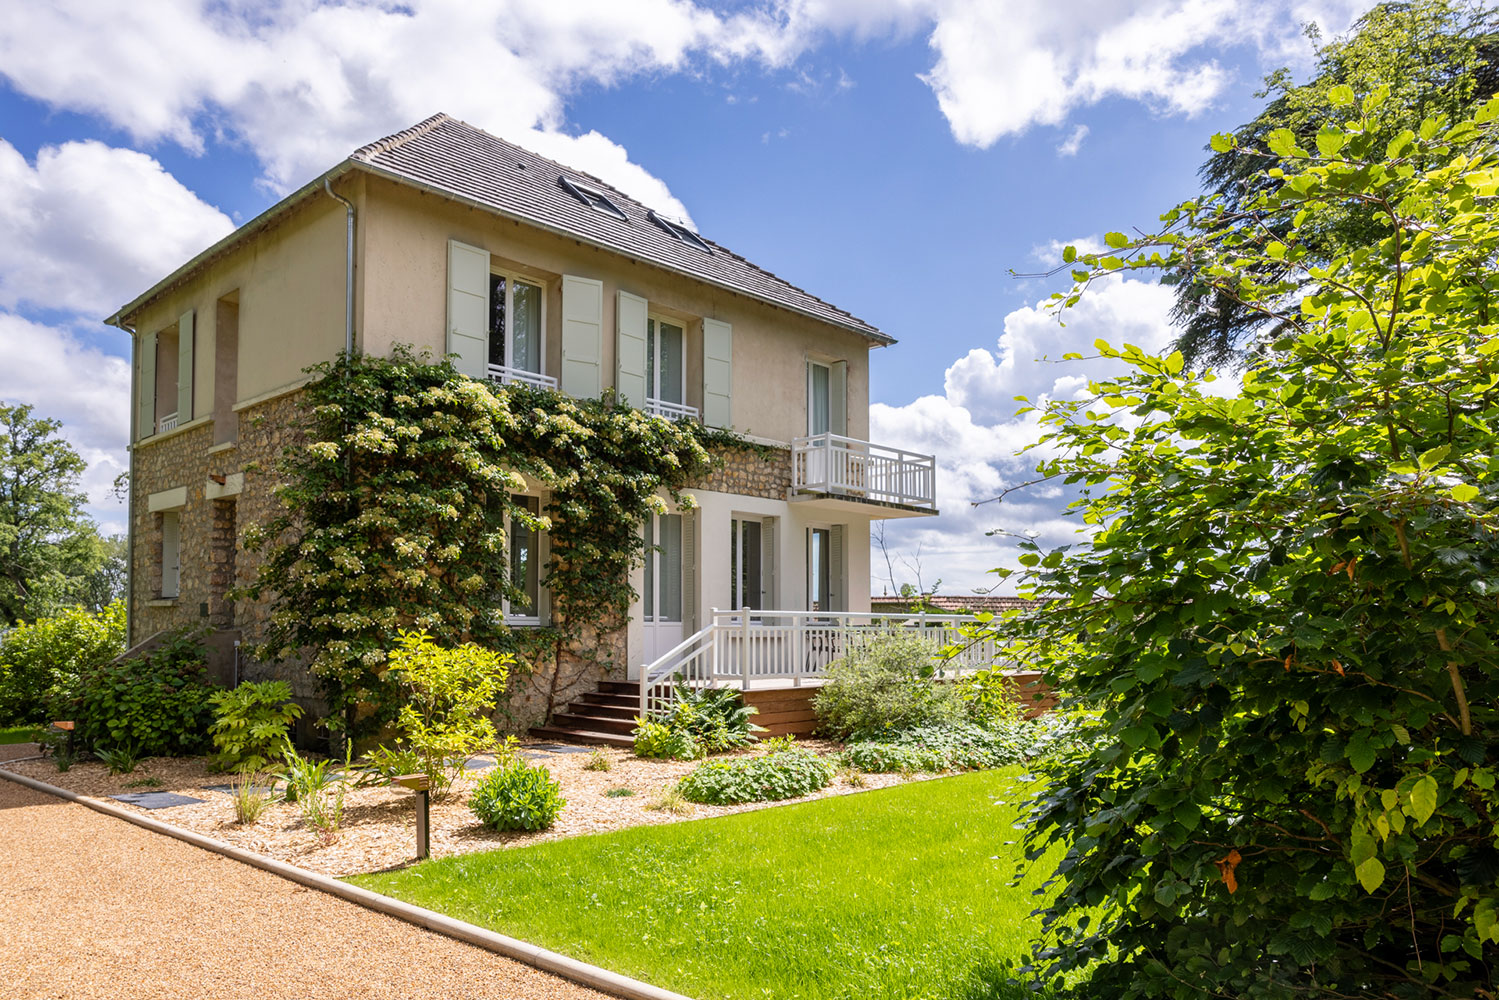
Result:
x=749 y=472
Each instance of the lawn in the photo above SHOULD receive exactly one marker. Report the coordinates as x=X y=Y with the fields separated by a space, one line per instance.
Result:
x=17 y=734
x=900 y=892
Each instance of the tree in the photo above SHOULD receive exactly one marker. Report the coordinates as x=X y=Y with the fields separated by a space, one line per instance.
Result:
x=1287 y=612
x=1434 y=56
x=51 y=554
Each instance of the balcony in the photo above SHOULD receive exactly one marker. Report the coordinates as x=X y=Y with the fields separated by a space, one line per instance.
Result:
x=838 y=466
x=166 y=423
x=670 y=410
x=506 y=375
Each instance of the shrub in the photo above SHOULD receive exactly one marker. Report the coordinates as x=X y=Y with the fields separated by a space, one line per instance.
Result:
x=968 y=747
x=717 y=719
x=250 y=798
x=318 y=788
x=784 y=773
x=670 y=800
x=516 y=796
x=157 y=703
x=120 y=760
x=251 y=723
x=449 y=694
x=990 y=698
x=884 y=758
x=597 y=761
x=658 y=739
x=619 y=793
x=41 y=662
x=884 y=688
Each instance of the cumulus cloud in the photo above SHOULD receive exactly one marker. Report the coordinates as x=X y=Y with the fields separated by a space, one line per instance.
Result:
x=1074 y=141
x=974 y=431
x=88 y=225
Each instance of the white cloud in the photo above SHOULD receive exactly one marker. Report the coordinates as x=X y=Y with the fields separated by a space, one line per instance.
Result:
x=1074 y=141
x=89 y=225
x=975 y=433
x=50 y=368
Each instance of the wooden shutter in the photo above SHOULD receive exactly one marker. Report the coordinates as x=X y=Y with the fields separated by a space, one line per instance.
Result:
x=718 y=373
x=838 y=397
x=837 y=598
x=145 y=403
x=582 y=336
x=185 y=342
x=630 y=348
x=468 y=308
x=689 y=571
x=768 y=564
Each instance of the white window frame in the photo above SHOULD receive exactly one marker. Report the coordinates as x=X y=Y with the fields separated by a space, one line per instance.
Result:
x=506 y=374
x=543 y=556
x=654 y=404
x=650 y=597
x=813 y=363
x=171 y=585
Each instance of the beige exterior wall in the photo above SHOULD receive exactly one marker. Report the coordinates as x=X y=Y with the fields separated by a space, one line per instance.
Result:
x=404 y=237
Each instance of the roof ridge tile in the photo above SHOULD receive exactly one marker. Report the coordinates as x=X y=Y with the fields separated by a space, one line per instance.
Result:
x=370 y=150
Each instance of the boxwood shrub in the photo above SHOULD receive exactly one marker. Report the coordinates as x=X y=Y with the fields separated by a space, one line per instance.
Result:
x=516 y=796
x=786 y=772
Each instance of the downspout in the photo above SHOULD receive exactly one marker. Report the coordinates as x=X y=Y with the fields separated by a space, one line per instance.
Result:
x=348 y=269
x=135 y=368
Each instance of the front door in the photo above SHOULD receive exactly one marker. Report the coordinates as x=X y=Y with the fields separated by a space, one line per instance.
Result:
x=662 y=599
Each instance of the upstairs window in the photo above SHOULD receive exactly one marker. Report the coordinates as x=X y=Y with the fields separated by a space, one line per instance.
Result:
x=516 y=346
x=593 y=198
x=681 y=232
x=665 y=370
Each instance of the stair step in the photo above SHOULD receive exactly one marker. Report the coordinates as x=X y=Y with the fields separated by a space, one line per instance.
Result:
x=566 y=735
x=620 y=687
x=585 y=707
x=612 y=700
x=593 y=723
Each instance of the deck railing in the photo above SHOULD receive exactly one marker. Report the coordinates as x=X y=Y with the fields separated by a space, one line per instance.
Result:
x=748 y=648
x=505 y=375
x=834 y=464
x=166 y=423
x=669 y=410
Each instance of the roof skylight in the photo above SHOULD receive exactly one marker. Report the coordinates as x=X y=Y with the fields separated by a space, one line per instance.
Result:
x=680 y=231
x=592 y=197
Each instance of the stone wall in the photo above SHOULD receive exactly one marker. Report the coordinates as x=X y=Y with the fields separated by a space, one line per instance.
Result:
x=749 y=472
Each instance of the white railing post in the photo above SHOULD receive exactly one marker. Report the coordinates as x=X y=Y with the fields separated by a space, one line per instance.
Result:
x=744 y=647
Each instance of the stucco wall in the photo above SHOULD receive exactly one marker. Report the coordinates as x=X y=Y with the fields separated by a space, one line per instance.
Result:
x=404 y=236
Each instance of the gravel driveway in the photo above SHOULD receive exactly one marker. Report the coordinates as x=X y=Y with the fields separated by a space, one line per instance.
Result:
x=91 y=906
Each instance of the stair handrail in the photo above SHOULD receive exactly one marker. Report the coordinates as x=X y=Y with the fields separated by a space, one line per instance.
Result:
x=671 y=663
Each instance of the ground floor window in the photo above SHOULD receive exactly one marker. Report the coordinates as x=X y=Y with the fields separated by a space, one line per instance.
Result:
x=171 y=554
x=752 y=563
x=525 y=544
x=663 y=568
x=825 y=568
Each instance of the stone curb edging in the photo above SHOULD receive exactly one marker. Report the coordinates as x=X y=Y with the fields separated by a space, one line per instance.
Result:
x=582 y=973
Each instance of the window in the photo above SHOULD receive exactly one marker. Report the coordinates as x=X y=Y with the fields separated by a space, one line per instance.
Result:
x=171 y=554
x=681 y=232
x=525 y=545
x=665 y=370
x=819 y=381
x=663 y=568
x=825 y=568
x=751 y=562
x=516 y=345
x=592 y=197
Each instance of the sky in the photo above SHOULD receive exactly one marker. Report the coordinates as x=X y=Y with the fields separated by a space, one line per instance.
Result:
x=898 y=158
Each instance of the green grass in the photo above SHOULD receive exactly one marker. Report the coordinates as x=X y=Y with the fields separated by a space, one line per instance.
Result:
x=899 y=892
x=17 y=734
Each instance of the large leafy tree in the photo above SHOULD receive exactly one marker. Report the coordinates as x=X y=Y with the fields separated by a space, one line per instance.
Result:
x=1431 y=57
x=1289 y=607
x=51 y=554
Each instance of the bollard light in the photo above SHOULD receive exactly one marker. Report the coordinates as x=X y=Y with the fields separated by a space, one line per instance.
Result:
x=419 y=784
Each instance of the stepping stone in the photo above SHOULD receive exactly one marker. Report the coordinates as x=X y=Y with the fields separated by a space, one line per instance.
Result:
x=535 y=756
x=559 y=748
x=157 y=800
x=478 y=764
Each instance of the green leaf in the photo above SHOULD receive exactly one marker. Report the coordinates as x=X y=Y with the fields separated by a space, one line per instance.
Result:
x=1340 y=96
x=1423 y=799
x=1463 y=492
x=1431 y=459
x=1360 y=754
x=1282 y=142
x=1222 y=142
x=1115 y=240
x=1069 y=254
x=1370 y=873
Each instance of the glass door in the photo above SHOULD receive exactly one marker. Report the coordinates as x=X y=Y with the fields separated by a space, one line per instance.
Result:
x=662 y=597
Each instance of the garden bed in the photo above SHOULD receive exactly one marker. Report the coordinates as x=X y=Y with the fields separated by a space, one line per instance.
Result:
x=379 y=824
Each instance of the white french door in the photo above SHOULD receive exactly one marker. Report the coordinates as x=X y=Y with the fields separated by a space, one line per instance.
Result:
x=662 y=599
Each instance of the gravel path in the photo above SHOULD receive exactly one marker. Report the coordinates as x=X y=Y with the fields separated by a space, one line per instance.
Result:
x=91 y=906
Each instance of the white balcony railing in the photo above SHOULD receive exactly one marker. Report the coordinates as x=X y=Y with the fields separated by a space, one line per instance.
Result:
x=166 y=423
x=670 y=410
x=746 y=649
x=834 y=464
x=506 y=375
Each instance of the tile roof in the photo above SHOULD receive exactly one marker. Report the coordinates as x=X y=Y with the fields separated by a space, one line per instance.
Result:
x=453 y=156
x=955 y=604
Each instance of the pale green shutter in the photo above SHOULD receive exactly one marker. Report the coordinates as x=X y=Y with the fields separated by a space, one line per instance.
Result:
x=185 y=368
x=837 y=598
x=718 y=373
x=582 y=336
x=838 y=397
x=145 y=413
x=630 y=348
x=689 y=571
x=468 y=308
x=768 y=560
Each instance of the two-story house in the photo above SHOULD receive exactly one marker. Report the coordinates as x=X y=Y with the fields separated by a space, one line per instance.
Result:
x=454 y=241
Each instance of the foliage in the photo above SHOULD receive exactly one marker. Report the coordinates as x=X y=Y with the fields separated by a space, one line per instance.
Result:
x=884 y=687
x=449 y=695
x=662 y=740
x=1286 y=611
x=669 y=799
x=619 y=793
x=120 y=760
x=990 y=697
x=598 y=760
x=394 y=517
x=51 y=554
x=157 y=703
x=251 y=724
x=10 y=735
x=318 y=788
x=717 y=719
x=1432 y=57
x=784 y=772
x=884 y=757
x=916 y=892
x=41 y=661
x=303 y=777
x=966 y=747
x=250 y=797
x=516 y=796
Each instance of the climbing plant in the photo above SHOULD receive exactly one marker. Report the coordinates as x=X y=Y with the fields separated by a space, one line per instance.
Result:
x=1286 y=611
x=394 y=510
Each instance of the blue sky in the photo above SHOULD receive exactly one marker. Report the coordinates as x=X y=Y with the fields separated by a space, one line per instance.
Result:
x=896 y=157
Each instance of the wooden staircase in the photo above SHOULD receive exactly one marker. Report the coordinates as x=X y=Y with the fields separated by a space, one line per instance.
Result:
x=605 y=716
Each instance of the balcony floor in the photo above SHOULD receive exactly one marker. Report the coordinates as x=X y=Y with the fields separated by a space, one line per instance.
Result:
x=839 y=503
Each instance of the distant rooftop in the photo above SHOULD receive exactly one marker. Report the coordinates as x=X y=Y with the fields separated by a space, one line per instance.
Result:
x=953 y=604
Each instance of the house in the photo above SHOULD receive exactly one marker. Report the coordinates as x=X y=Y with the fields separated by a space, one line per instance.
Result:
x=454 y=241
x=951 y=604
